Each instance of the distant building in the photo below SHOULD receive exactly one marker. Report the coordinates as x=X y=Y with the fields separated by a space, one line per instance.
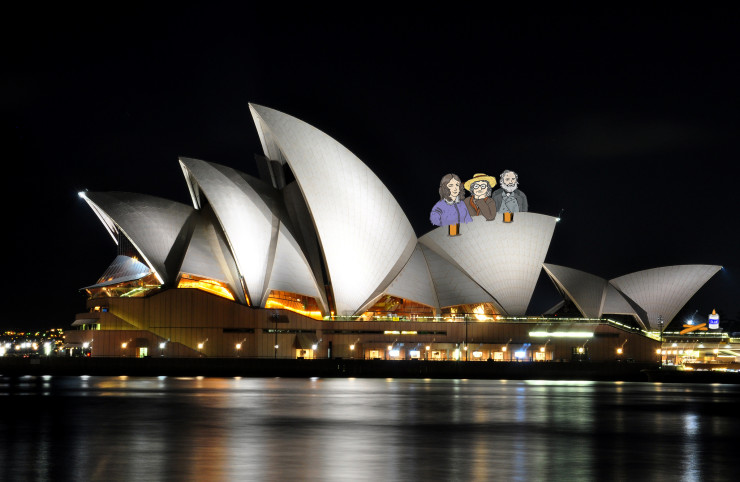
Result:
x=316 y=258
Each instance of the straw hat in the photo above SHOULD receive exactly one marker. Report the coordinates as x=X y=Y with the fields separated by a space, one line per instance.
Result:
x=479 y=177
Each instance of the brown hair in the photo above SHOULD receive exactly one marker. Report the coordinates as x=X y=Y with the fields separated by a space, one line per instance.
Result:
x=444 y=191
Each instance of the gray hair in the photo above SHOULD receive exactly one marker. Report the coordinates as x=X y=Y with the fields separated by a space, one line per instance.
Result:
x=489 y=189
x=501 y=179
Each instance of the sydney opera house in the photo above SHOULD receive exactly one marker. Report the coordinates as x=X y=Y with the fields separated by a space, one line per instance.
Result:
x=276 y=267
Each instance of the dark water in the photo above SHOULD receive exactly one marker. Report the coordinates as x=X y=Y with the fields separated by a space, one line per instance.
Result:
x=117 y=428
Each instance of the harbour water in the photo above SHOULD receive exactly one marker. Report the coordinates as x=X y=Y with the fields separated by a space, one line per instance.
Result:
x=149 y=428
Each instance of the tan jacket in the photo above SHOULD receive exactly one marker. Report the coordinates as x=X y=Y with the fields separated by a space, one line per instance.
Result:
x=485 y=207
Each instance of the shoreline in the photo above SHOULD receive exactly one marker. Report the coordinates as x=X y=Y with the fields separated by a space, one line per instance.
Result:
x=346 y=368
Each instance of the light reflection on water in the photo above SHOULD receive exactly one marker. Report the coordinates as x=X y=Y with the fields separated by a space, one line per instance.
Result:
x=93 y=428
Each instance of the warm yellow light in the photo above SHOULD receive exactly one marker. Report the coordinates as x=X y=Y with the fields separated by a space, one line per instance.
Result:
x=428 y=347
x=238 y=346
x=581 y=349
x=479 y=313
x=200 y=346
x=715 y=351
x=124 y=345
x=352 y=347
x=503 y=348
x=208 y=285
x=465 y=348
x=390 y=347
x=542 y=349
x=619 y=351
x=657 y=351
x=316 y=315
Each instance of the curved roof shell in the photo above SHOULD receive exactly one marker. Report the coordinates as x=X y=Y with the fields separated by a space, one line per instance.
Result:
x=587 y=291
x=414 y=282
x=291 y=272
x=245 y=219
x=266 y=253
x=364 y=235
x=662 y=292
x=452 y=286
x=208 y=255
x=505 y=259
x=122 y=270
x=158 y=228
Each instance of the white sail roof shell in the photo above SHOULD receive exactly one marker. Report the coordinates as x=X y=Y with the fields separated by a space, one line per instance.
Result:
x=155 y=226
x=414 y=281
x=615 y=303
x=365 y=236
x=291 y=272
x=505 y=259
x=664 y=291
x=245 y=219
x=267 y=255
x=587 y=291
x=452 y=286
x=209 y=256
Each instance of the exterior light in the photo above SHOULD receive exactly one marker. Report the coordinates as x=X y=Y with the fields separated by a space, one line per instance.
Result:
x=162 y=345
x=715 y=351
x=314 y=346
x=619 y=351
x=86 y=345
x=503 y=348
x=124 y=345
x=657 y=351
x=277 y=346
x=200 y=346
x=390 y=347
x=238 y=346
x=581 y=349
x=352 y=347
x=428 y=348
x=465 y=348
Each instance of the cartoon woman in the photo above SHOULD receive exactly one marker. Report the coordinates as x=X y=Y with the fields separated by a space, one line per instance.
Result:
x=450 y=210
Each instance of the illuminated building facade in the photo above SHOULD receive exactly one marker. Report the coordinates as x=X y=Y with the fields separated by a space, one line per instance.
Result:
x=283 y=266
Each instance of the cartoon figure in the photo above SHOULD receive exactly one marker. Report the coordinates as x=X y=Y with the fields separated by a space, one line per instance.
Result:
x=450 y=210
x=509 y=198
x=480 y=203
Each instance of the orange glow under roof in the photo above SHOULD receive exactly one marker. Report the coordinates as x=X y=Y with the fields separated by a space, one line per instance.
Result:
x=208 y=285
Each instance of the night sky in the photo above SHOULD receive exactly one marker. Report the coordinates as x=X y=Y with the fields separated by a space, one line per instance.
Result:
x=627 y=124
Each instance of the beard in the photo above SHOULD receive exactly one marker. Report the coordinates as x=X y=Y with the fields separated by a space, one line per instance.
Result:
x=510 y=187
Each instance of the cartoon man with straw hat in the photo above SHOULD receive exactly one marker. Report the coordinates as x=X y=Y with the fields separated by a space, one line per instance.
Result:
x=480 y=203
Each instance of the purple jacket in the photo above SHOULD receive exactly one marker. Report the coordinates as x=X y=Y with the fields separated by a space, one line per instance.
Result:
x=444 y=214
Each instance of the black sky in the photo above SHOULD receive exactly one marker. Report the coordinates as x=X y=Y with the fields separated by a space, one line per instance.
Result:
x=630 y=125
